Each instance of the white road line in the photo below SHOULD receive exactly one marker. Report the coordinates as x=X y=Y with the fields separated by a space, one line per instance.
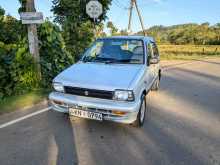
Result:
x=24 y=117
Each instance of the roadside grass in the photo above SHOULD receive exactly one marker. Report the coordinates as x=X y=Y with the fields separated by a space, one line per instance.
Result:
x=185 y=57
x=17 y=102
x=188 y=52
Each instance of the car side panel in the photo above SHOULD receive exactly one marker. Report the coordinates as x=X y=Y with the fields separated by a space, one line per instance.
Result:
x=142 y=82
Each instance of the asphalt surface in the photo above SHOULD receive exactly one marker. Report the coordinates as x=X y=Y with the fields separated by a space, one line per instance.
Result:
x=182 y=127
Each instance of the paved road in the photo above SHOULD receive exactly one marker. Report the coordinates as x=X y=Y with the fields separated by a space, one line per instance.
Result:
x=183 y=127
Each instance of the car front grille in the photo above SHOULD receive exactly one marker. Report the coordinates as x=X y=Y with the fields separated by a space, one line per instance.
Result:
x=89 y=92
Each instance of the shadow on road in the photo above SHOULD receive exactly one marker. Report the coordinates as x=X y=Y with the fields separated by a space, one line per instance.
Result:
x=111 y=143
x=210 y=62
x=167 y=138
x=199 y=74
x=195 y=88
x=62 y=130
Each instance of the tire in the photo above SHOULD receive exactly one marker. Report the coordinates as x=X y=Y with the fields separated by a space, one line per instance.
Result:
x=65 y=115
x=156 y=84
x=139 y=122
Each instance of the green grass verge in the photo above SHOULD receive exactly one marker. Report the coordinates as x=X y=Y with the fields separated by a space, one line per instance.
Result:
x=13 y=103
x=185 y=57
x=188 y=52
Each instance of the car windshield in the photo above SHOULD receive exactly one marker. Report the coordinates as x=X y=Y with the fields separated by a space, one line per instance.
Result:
x=129 y=51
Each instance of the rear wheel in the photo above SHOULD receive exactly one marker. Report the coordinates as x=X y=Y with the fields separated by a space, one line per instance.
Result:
x=139 y=122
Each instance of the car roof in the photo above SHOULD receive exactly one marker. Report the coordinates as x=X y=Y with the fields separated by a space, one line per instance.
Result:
x=130 y=37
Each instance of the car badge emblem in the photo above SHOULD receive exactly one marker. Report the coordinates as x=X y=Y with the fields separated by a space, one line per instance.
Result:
x=86 y=93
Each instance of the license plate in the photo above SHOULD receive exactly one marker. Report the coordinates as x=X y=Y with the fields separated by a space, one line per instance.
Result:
x=85 y=114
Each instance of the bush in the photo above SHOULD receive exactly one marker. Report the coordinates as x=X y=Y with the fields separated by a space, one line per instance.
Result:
x=12 y=31
x=53 y=54
x=17 y=67
x=17 y=70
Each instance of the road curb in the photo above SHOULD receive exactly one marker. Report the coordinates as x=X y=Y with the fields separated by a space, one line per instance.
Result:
x=41 y=103
x=25 y=108
x=5 y=117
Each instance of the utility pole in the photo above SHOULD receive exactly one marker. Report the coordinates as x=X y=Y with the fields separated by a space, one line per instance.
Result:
x=32 y=37
x=130 y=15
x=139 y=15
x=132 y=4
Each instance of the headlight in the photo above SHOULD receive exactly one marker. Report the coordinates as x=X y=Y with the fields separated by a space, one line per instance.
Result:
x=58 y=87
x=124 y=95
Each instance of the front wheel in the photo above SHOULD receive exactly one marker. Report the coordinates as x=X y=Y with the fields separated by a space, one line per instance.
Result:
x=139 y=122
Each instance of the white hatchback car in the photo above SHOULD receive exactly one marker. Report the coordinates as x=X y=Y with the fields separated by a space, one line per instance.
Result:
x=111 y=80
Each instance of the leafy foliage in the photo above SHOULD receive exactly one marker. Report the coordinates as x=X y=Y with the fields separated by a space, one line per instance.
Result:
x=11 y=29
x=203 y=34
x=76 y=9
x=100 y=31
x=53 y=54
x=17 y=67
x=124 y=32
x=113 y=29
x=76 y=24
x=23 y=6
x=188 y=50
x=17 y=71
x=2 y=11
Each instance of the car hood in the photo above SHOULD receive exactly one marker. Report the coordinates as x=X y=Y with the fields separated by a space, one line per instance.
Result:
x=99 y=75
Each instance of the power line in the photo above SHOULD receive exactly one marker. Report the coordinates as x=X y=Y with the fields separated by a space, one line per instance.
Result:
x=139 y=15
x=119 y=5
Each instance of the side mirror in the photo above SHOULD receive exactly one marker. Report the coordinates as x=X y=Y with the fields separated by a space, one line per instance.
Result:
x=154 y=61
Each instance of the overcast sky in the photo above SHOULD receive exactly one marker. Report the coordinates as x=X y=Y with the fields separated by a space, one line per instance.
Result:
x=154 y=12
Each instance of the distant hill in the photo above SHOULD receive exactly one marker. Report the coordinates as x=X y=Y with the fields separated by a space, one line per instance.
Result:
x=199 y=34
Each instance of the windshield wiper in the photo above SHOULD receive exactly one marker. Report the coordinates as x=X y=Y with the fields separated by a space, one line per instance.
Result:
x=113 y=60
x=129 y=61
x=110 y=62
x=105 y=60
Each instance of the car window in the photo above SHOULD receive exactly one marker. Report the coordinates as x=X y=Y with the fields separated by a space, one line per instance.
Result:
x=116 y=51
x=96 y=49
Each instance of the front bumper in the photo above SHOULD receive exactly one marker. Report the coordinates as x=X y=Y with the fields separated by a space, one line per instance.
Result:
x=103 y=106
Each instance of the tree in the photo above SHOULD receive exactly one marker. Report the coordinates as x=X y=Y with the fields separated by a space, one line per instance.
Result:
x=124 y=32
x=53 y=54
x=100 y=30
x=9 y=28
x=2 y=14
x=186 y=34
x=76 y=25
x=2 y=11
x=22 y=8
x=112 y=27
